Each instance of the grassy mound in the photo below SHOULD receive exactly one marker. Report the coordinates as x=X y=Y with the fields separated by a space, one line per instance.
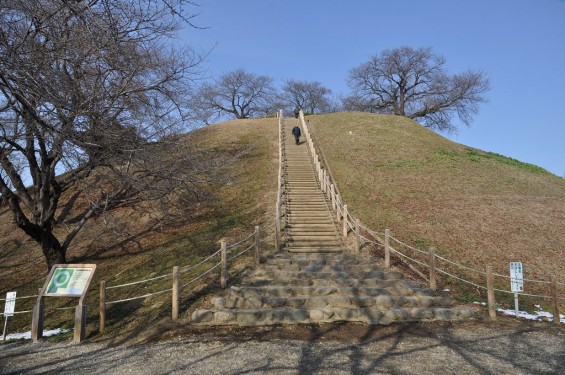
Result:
x=476 y=208
x=128 y=245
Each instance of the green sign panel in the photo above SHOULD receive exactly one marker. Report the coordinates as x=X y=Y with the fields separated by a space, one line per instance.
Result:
x=69 y=281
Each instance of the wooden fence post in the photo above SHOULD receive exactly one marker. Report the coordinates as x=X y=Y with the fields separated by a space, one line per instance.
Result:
x=432 y=265
x=257 y=240
x=338 y=208
x=175 y=302
x=102 y=306
x=277 y=228
x=332 y=195
x=490 y=294
x=224 y=266
x=345 y=221
x=556 y=316
x=387 y=248
x=357 y=235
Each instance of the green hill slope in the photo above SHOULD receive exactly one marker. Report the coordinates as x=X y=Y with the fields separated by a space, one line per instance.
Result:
x=477 y=208
x=130 y=245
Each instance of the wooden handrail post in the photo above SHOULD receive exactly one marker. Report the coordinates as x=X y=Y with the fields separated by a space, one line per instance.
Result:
x=102 y=307
x=357 y=235
x=490 y=294
x=345 y=221
x=387 y=248
x=277 y=228
x=432 y=265
x=257 y=240
x=324 y=186
x=224 y=266
x=175 y=294
x=332 y=195
x=556 y=316
x=338 y=208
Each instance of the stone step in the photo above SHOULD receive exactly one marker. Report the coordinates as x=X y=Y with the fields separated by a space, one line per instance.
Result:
x=379 y=276
x=313 y=266
x=315 y=249
x=381 y=302
x=302 y=315
x=398 y=289
x=297 y=234
x=314 y=261
x=335 y=281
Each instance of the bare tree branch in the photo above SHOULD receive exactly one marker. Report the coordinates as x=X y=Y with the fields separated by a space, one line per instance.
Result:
x=413 y=83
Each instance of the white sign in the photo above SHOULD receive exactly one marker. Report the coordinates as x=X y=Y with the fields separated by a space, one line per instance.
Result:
x=10 y=305
x=516 y=277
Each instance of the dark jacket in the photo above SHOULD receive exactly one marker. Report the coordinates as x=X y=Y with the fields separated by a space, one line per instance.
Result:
x=296 y=131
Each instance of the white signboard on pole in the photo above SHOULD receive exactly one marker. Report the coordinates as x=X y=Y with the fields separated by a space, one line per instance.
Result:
x=10 y=305
x=516 y=277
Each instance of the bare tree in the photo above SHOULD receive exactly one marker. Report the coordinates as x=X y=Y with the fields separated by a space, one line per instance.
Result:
x=312 y=97
x=413 y=83
x=236 y=93
x=89 y=91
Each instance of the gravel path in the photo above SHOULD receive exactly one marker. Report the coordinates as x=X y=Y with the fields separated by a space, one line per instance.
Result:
x=468 y=348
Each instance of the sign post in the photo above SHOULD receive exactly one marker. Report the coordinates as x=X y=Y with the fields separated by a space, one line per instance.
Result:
x=516 y=282
x=9 y=309
x=65 y=280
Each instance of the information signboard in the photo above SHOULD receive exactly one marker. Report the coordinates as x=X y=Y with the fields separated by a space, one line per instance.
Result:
x=10 y=305
x=516 y=277
x=69 y=281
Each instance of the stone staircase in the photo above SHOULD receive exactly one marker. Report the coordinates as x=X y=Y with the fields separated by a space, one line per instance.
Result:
x=313 y=279
x=310 y=226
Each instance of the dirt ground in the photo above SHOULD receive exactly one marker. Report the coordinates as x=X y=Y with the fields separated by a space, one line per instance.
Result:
x=507 y=346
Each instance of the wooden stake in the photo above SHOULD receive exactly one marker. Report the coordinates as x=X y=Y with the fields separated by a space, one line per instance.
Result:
x=257 y=240
x=345 y=221
x=490 y=294
x=102 y=307
x=556 y=316
x=432 y=265
x=387 y=248
x=357 y=235
x=224 y=266
x=175 y=294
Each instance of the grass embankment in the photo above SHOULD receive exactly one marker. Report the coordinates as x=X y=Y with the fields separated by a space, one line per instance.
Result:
x=477 y=208
x=135 y=246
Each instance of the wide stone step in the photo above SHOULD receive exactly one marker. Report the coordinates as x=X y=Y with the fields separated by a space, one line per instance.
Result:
x=315 y=249
x=297 y=234
x=340 y=282
x=301 y=315
x=398 y=289
x=313 y=266
x=381 y=302
x=312 y=261
x=379 y=277
x=316 y=227
x=310 y=220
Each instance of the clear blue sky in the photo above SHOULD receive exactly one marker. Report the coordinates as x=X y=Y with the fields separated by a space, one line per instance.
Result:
x=519 y=44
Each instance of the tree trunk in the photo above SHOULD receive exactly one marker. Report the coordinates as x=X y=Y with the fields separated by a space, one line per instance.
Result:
x=52 y=250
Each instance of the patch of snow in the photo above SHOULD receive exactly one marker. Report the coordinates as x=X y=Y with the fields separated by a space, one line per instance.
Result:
x=538 y=315
x=27 y=335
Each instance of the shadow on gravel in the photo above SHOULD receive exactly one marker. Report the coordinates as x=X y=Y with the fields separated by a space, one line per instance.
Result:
x=340 y=348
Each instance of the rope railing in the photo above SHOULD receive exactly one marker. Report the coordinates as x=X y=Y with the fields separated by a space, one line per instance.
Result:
x=139 y=282
x=202 y=275
x=241 y=253
x=190 y=268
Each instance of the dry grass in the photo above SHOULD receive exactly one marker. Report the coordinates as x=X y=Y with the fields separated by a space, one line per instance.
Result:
x=134 y=246
x=476 y=208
